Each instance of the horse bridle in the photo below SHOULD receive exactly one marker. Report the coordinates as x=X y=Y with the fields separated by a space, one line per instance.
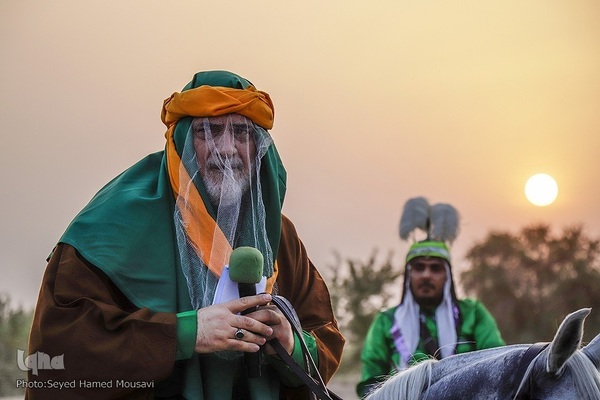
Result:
x=530 y=354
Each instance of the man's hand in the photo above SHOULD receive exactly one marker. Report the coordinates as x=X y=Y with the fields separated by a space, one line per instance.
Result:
x=282 y=330
x=218 y=323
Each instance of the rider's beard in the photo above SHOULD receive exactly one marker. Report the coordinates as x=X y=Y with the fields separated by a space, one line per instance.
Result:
x=429 y=302
x=226 y=184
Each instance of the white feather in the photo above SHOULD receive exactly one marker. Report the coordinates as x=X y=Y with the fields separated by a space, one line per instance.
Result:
x=444 y=222
x=414 y=216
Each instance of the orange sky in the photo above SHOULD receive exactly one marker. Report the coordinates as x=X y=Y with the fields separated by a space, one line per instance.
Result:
x=376 y=102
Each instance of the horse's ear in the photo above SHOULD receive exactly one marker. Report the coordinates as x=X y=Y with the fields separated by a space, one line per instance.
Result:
x=567 y=340
x=592 y=350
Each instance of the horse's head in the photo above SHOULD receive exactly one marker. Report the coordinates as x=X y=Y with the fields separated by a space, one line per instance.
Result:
x=562 y=370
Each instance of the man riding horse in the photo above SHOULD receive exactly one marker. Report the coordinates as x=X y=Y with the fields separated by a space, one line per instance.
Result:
x=430 y=321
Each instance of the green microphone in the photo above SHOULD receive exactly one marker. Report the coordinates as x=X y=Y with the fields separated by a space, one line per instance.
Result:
x=245 y=268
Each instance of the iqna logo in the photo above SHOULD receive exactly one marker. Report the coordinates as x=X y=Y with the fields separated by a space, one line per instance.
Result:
x=39 y=360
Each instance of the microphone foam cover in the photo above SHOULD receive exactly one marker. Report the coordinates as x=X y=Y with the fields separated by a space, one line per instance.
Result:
x=246 y=265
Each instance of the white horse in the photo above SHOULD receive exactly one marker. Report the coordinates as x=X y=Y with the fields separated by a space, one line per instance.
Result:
x=560 y=370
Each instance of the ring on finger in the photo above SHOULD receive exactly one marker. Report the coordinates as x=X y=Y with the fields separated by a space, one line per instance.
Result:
x=239 y=334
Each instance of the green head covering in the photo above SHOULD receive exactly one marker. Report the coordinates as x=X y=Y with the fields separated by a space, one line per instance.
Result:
x=428 y=248
x=217 y=78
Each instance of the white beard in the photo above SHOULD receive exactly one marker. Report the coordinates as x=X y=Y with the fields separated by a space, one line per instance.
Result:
x=226 y=186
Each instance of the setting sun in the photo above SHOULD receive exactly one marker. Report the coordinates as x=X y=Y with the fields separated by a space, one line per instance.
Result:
x=541 y=190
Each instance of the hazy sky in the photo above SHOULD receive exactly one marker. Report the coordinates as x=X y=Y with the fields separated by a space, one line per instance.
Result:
x=376 y=102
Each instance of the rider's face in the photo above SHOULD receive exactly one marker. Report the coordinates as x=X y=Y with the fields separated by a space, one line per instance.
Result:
x=427 y=279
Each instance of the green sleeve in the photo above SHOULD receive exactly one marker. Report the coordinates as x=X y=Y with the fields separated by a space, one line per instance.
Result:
x=478 y=329
x=187 y=325
x=287 y=376
x=487 y=334
x=377 y=354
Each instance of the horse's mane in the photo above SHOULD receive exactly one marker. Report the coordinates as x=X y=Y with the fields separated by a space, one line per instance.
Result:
x=406 y=384
x=585 y=375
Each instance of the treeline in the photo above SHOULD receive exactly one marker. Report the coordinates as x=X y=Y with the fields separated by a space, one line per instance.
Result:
x=532 y=279
x=15 y=324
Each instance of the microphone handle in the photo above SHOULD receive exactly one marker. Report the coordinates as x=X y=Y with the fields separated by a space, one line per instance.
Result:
x=252 y=360
x=247 y=289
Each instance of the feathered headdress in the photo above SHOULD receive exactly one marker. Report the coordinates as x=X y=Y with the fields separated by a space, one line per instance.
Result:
x=439 y=222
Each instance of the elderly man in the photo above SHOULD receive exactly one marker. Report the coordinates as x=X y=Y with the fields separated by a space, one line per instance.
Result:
x=430 y=321
x=128 y=296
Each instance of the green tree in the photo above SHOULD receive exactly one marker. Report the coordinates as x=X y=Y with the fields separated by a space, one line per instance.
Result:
x=358 y=291
x=531 y=280
x=14 y=334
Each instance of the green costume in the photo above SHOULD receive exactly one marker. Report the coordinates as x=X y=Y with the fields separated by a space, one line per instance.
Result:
x=380 y=357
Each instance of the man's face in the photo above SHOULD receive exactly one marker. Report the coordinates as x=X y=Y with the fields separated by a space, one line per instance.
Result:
x=427 y=279
x=225 y=150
